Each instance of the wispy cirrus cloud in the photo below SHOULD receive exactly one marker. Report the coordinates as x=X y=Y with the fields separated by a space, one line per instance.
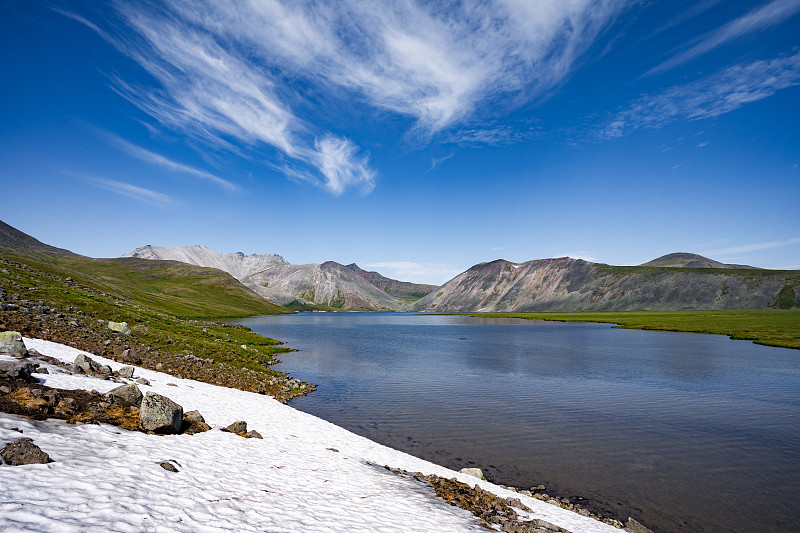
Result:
x=230 y=73
x=709 y=97
x=173 y=166
x=768 y=15
x=752 y=247
x=126 y=189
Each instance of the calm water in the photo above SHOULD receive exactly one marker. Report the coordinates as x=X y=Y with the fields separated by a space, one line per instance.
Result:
x=685 y=432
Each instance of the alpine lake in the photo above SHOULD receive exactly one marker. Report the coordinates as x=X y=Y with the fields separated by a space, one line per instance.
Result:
x=684 y=432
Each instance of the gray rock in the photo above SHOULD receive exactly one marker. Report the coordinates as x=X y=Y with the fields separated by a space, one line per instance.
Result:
x=126 y=371
x=24 y=452
x=130 y=357
x=475 y=472
x=130 y=393
x=253 y=434
x=105 y=369
x=11 y=343
x=633 y=526
x=119 y=327
x=160 y=414
x=142 y=381
x=86 y=363
x=239 y=426
x=17 y=369
x=194 y=416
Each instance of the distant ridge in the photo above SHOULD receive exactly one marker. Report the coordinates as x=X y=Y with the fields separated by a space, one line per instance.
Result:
x=14 y=240
x=325 y=286
x=236 y=264
x=566 y=284
x=687 y=260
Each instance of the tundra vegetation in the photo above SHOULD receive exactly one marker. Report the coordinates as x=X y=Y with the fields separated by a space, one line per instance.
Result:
x=770 y=327
x=175 y=312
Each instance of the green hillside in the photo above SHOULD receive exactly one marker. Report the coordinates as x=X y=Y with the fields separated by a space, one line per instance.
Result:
x=172 y=308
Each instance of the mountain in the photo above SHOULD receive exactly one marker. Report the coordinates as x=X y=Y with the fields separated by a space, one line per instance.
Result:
x=687 y=260
x=236 y=264
x=400 y=289
x=566 y=284
x=326 y=286
x=14 y=240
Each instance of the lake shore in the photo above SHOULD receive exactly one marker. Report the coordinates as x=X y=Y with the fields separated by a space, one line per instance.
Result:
x=313 y=473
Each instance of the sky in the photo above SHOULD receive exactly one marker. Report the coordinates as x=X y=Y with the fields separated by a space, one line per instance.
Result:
x=413 y=138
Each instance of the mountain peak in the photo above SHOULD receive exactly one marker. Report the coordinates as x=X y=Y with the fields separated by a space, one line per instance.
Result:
x=688 y=260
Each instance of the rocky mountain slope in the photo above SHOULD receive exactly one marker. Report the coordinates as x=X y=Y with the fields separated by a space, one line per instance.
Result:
x=566 y=284
x=236 y=264
x=400 y=289
x=687 y=260
x=329 y=284
x=313 y=286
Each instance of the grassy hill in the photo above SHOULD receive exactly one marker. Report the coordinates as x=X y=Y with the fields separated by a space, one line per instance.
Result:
x=172 y=308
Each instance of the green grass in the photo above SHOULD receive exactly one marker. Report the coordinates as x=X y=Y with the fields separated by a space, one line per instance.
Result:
x=170 y=306
x=772 y=327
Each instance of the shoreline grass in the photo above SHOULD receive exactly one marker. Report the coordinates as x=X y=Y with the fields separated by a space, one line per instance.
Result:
x=770 y=327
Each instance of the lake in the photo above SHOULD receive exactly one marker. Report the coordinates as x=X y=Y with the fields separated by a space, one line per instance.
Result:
x=684 y=432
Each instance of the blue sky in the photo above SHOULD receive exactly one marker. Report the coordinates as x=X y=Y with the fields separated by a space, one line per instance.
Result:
x=414 y=138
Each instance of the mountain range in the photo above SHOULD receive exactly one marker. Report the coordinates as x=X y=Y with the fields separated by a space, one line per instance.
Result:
x=324 y=286
x=566 y=284
x=671 y=282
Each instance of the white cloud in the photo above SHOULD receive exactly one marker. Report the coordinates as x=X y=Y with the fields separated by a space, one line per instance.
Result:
x=760 y=18
x=711 y=96
x=233 y=72
x=431 y=273
x=173 y=166
x=341 y=166
x=128 y=190
x=752 y=247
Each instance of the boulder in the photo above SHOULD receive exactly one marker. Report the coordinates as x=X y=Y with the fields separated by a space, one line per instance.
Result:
x=130 y=357
x=142 y=381
x=24 y=452
x=126 y=371
x=119 y=327
x=193 y=423
x=160 y=414
x=475 y=472
x=11 y=343
x=130 y=393
x=237 y=427
x=86 y=363
x=194 y=416
x=253 y=434
x=15 y=369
